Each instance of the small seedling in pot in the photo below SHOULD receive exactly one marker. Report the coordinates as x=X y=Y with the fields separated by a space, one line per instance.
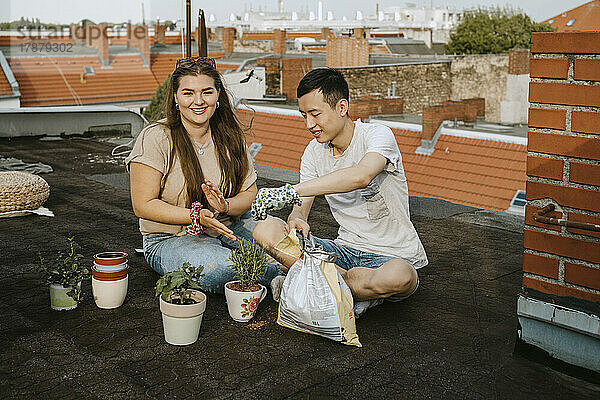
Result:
x=67 y=270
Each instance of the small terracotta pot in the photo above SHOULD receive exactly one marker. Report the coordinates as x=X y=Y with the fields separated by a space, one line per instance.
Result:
x=110 y=276
x=110 y=258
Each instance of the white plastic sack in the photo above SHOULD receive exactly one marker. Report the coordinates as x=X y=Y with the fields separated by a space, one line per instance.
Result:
x=314 y=297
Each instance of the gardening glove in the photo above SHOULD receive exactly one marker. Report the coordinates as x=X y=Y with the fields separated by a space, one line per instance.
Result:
x=269 y=199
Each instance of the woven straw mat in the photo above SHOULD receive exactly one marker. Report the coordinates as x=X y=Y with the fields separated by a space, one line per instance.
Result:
x=22 y=191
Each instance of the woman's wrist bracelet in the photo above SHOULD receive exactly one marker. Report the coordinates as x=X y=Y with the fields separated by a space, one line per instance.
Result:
x=195 y=228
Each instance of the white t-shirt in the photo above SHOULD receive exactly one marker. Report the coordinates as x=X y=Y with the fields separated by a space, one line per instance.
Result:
x=374 y=219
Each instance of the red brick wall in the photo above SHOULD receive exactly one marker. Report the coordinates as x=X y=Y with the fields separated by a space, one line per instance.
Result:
x=518 y=62
x=347 y=52
x=464 y=110
x=365 y=106
x=563 y=164
x=228 y=38
x=292 y=70
x=279 y=41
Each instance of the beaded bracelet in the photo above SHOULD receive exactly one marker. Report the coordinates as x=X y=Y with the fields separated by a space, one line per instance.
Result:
x=195 y=228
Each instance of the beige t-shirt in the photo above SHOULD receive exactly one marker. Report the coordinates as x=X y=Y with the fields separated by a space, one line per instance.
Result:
x=153 y=148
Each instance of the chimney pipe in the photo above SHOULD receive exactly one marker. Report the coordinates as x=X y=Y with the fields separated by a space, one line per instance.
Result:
x=202 y=36
x=188 y=28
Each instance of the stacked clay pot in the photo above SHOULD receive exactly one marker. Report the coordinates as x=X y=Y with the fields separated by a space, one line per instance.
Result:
x=109 y=279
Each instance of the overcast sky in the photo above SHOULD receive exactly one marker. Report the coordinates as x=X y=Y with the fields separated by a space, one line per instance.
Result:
x=66 y=11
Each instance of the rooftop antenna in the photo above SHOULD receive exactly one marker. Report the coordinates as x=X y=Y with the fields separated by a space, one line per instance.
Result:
x=143 y=16
x=202 y=36
x=188 y=28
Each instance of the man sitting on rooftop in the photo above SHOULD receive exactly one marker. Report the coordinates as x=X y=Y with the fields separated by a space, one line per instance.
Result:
x=358 y=167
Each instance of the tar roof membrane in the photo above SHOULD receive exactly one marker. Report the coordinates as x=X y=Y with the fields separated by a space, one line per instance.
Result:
x=454 y=338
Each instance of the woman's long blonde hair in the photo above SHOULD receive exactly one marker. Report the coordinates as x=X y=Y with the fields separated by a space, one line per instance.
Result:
x=227 y=135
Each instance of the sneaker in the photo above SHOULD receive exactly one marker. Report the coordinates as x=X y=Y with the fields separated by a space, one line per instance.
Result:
x=360 y=307
x=276 y=285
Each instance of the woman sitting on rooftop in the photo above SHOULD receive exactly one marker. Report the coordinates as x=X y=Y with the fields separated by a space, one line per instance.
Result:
x=192 y=178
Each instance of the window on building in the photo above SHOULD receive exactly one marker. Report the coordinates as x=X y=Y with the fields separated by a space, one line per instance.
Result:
x=517 y=204
x=571 y=22
x=88 y=70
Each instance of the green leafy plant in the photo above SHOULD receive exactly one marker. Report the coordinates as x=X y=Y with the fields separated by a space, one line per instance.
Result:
x=249 y=263
x=493 y=30
x=154 y=111
x=174 y=286
x=68 y=269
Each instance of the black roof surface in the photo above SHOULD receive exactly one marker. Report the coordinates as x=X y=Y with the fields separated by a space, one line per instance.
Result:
x=454 y=339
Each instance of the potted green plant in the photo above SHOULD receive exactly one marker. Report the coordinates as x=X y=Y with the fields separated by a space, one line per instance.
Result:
x=64 y=276
x=249 y=262
x=182 y=304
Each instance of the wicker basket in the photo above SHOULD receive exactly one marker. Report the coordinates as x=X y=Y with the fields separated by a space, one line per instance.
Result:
x=22 y=191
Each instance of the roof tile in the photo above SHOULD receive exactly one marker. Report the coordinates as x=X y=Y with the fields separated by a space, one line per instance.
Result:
x=476 y=172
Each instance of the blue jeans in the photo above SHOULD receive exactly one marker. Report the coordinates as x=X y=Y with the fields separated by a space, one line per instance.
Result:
x=166 y=252
x=348 y=257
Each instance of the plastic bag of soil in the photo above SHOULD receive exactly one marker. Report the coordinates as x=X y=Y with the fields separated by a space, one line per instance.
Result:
x=314 y=297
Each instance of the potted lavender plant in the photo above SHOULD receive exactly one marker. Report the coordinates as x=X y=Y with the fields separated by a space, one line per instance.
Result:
x=244 y=294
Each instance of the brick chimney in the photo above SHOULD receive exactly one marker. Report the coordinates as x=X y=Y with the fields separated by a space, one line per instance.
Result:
x=228 y=38
x=292 y=71
x=347 y=52
x=465 y=110
x=159 y=34
x=325 y=33
x=77 y=33
x=272 y=66
x=558 y=306
x=360 y=33
x=96 y=36
x=137 y=36
x=279 y=41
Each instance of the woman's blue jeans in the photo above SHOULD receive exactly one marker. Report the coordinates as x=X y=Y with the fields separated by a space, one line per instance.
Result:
x=165 y=252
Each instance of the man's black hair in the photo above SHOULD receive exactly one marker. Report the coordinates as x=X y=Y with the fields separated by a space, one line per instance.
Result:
x=329 y=81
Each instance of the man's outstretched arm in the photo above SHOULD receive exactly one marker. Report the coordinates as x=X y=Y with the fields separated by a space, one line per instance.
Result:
x=340 y=181
x=345 y=179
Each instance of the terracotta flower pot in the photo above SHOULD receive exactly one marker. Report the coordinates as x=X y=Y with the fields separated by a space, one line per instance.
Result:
x=243 y=305
x=181 y=322
x=110 y=276
x=110 y=258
